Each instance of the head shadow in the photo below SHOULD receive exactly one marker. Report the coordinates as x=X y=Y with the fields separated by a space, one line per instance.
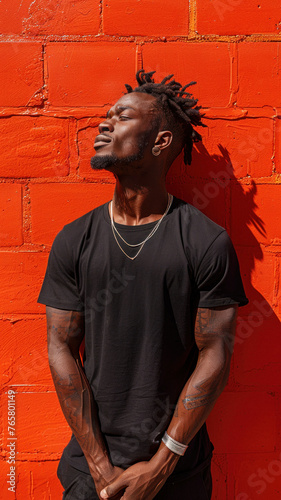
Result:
x=212 y=185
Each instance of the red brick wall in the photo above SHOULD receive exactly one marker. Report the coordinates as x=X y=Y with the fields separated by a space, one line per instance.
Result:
x=62 y=64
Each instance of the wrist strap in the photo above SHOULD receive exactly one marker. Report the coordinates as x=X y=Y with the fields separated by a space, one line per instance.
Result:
x=174 y=445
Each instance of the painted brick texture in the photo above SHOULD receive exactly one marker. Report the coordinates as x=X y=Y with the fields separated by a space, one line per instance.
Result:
x=63 y=64
x=21 y=75
x=236 y=17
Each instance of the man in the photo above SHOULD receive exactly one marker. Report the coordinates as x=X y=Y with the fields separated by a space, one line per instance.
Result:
x=153 y=287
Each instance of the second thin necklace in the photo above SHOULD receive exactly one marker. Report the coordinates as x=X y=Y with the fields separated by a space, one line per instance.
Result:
x=142 y=243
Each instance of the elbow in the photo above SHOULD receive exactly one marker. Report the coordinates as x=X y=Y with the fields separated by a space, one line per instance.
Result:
x=56 y=353
x=216 y=366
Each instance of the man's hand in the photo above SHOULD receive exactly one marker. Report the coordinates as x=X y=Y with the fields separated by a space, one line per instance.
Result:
x=106 y=478
x=139 y=482
x=142 y=481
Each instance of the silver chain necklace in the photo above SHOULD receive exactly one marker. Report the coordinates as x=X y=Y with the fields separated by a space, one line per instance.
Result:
x=142 y=243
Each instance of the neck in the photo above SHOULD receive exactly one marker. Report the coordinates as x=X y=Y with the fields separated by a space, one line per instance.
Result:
x=138 y=202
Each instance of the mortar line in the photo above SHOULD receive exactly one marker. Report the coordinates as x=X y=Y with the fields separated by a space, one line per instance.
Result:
x=192 y=23
x=101 y=18
x=26 y=213
x=234 y=81
x=139 y=58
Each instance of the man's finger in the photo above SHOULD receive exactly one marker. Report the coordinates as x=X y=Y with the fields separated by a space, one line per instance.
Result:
x=113 y=488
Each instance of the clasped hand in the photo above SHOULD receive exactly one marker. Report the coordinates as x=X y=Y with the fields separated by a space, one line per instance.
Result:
x=141 y=481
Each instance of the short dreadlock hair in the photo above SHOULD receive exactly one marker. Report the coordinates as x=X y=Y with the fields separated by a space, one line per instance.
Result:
x=177 y=106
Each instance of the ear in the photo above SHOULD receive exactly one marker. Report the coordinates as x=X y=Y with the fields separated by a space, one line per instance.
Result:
x=164 y=139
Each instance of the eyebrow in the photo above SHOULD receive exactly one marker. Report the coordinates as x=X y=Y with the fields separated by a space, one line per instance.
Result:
x=120 y=108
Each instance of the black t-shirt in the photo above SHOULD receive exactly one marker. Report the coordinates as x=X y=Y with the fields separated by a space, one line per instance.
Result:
x=139 y=320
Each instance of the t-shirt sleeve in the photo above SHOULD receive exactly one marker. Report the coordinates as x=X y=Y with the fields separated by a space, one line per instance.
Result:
x=59 y=287
x=218 y=276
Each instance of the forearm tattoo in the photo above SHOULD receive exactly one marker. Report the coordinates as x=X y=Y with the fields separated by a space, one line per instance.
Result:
x=65 y=333
x=212 y=324
x=191 y=402
x=213 y=328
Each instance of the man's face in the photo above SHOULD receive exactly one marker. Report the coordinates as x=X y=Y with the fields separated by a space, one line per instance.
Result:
x=127 y=135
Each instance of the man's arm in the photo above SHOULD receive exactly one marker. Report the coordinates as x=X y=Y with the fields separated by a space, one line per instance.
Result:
x=65 y=334
x=214 y=335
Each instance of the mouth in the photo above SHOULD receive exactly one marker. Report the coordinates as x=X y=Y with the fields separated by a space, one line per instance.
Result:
x=101 y=140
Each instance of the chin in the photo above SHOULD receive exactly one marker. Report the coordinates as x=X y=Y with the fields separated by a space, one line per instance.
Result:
x=103 y=162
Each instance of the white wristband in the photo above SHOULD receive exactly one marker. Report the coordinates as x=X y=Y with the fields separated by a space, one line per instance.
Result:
x=174 y=445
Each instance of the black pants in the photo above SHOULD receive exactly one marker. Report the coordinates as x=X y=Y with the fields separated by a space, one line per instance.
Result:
x=80 y=486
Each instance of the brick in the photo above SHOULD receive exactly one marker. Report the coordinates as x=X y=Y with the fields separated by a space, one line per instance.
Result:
x=24 y=358
x=21 y=73
x=62 y=18
x=40 y=425
x=258 y=274
x=85 y=139
x=10 y=215
x=219 y=476
x=243 y=422
x=235 y=17
x=82 y=74
x=205 y=194
x=33 y=147
x=66 y=202
x=259 y=74
x=39 y=480
x=277 y=156
x=34 y=480
x=21 y=279
x=206 y=63
x=131 y=17
x=257 y=476
x=11 y=15
x=49 y=17
x=234 y=149
x=257 y=352
x=4 y=470
x=256 y=218
x=278 y=288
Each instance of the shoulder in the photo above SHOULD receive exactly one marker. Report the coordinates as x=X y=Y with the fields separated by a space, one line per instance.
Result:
x=198 y=226
x=72 y=236
x=74 y=231
x=79 y=225
x=200 y=235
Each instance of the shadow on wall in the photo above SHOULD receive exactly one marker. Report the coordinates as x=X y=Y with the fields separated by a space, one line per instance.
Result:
x=211 y=186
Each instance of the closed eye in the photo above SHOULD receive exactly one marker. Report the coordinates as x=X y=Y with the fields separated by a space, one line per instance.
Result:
x=124 y=117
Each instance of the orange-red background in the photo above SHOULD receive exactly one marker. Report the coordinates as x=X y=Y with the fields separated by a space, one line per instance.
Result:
x=63 y=63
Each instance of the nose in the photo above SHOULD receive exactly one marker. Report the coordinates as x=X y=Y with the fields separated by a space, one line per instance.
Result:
x=105 y=126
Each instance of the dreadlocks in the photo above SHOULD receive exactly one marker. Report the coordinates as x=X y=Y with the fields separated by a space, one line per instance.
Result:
x=178 y=106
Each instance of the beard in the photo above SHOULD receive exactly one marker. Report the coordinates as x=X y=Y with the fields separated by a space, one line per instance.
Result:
x=105 y=162
x=111 y=161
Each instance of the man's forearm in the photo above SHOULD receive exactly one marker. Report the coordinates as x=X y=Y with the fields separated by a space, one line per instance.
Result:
x=78 y=406
x=65 y=334
x=199 y=396
x=214 y=334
